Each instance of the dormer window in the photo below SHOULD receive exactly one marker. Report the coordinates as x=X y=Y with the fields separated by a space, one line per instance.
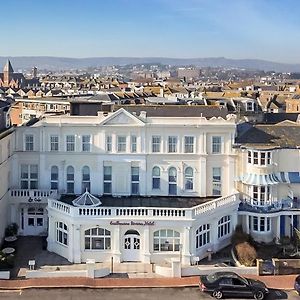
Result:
x=250 y=106
x=259 y=158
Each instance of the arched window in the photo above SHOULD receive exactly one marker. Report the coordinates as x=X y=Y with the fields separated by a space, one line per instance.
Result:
x=224 y=226
x=86 y=179
x=70 y=180
x=97 y=239
x=202 y=235
x=166 y=240
x=156 y=178
x=189 y=179
x=61 y=233
x=54 y=178
x=172 y=181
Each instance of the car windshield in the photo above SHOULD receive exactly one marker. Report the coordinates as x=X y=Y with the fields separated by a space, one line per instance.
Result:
x=216 y=276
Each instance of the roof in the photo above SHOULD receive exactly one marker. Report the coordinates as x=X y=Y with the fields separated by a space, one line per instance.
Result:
x=280 y=135
x=182 y=111
x=140 y=201
x=86 y=199
x=271 y=118
x=8 y=67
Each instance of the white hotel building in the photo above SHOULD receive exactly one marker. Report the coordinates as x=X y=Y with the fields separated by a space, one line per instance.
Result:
x=146 y=186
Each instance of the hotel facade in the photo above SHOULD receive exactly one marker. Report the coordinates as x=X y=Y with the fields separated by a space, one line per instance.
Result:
x=148 y=186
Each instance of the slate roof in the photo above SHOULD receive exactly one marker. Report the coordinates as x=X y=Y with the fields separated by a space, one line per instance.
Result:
x=182 y=111
x=274 y=118
x=283 y=135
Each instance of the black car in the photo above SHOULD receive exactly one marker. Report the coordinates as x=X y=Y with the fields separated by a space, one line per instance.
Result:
x=297 y=284
x=224 y=284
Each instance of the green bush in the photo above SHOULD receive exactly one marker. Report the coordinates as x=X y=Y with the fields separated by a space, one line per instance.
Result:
x=246 y=254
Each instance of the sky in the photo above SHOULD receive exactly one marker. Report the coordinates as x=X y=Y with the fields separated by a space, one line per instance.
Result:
x=260 y=29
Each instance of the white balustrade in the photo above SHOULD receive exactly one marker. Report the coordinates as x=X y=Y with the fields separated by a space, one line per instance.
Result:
x=211 y=205
x=141 y=212
x=23 y=195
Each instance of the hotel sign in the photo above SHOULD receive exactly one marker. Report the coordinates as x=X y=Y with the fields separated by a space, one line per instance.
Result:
x=133 y=223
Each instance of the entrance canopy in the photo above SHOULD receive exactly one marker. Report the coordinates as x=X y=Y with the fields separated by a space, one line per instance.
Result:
x=86 y=199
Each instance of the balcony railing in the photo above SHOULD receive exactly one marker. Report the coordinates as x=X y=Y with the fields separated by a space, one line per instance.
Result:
x=142 y=212
x=28 y=196
x=251 y=205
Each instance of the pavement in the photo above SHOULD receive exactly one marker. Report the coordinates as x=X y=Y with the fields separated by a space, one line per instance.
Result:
x=281 y=282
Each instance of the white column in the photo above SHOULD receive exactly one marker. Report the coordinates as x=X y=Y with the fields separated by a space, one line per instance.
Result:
x=70 y=242
x=203 y=171
x=230 y=176
x=246 y=222
x=76 y=243
x=146 y=244
x=214 y=236
x=116 y=244
x=51 y=234
x=186 y=254
x=277 y=232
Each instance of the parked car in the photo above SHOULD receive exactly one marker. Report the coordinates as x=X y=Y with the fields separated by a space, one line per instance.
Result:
x=230 y=284
x=297 y=284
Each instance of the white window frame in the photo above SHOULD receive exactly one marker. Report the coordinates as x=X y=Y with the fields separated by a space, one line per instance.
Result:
x=203 y=235
x=133 y=143
x=172 y=144
x=216 y=183
x=62 y=235
x=189 y=145
x=172 y=182
x=259 y=158
x=86 y=144
x=85 y=179
x=216 y=146
x=189 y=179
x=54 y=143
x=54 y=178
x=70 y=143
x=93 y=235
x=108 y=143
x=29 y=142
x=135 y=180
x=167 y=240
x=156 y=143
x=261 y=195
x=224 y=226
x=30 y=181
x=121 y=145
x=156 y=178
x=260 y=224
x=107 y=180
x=70 y=181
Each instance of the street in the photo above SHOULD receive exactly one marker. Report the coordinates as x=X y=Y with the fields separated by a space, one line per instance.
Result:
x=120 y=294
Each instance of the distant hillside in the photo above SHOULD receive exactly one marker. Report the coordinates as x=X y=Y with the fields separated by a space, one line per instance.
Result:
x=65 y=63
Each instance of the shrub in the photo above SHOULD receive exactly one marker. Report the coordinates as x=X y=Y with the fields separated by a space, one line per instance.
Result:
x=11 y=229
x=246 y=254
x=239 y=236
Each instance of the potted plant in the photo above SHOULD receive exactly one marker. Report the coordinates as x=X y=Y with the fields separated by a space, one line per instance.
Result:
x=11 y=229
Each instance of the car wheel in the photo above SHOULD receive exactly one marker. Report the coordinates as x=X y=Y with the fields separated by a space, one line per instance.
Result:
x=259 y=295
x=217 y=294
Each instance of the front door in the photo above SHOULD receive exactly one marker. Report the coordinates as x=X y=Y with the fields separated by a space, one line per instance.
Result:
x=34 y=221
x=131 y=246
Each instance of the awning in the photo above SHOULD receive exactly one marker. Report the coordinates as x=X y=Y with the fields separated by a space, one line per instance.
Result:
x=258 y=179
x=269 y=179
x=288 y=177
